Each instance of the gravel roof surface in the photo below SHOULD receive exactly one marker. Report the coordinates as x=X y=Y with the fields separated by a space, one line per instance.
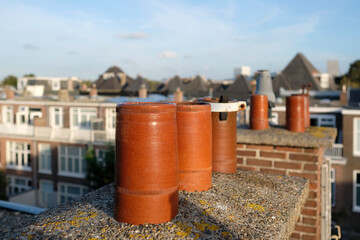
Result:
x=245 y=205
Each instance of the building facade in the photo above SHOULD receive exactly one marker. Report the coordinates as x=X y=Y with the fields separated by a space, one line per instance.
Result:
x=43 y=145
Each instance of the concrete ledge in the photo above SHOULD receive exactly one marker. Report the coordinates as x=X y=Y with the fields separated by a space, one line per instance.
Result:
x=245 y=205
x=313 y=137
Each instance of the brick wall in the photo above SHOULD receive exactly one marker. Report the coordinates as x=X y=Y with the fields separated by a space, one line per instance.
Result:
x=292 y=161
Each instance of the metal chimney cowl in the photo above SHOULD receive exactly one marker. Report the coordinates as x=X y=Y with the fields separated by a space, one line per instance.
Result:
x=264 y=85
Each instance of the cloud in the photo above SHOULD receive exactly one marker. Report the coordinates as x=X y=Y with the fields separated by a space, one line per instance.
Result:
x=71 y=53
x=168 y=54
x=136 y=35
x=30 y=46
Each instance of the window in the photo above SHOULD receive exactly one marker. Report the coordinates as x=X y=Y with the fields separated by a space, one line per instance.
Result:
x=110 y=119
x=18 y=185
x=356 y=191
x=81 y=117
x=333 y=187
x=47 y=195
x=70 y=191
x=22 y=116
x=45 y=158
x=56 y=117
x=18 y=155
x=72 y=162
x=100 y=154
x=356 y=136
x=322 y=120
x=7 y=114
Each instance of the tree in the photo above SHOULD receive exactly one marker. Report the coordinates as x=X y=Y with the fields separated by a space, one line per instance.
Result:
x=29 y=75
x=352 y=78
x=100 y=173
x=10 y=80
x=3 y=185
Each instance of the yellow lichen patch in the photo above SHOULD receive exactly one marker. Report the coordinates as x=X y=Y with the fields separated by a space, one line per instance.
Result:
x=255 y=207
x=60 y=225
x=231 y=217
x=207 y=211
x=279 y=177
x=30 y=236
x=202 y=202
x=139 y=236
x=199 y=226
x=197 y=236
x=226 y=235
x=184 y=229
x=211 y=227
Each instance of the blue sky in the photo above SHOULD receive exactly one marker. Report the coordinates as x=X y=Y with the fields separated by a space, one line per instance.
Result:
x=159 y=39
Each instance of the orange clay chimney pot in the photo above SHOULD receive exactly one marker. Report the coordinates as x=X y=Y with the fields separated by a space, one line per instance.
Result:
x=194 y=146
x=146 y=168
x=295 y=114
x=259 y=112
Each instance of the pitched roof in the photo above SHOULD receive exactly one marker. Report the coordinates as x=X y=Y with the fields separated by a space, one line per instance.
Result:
x=297 y=73
x=114 y=69
x=239 y=90
x=173 y=84
x=135 y=85
x=198 y=84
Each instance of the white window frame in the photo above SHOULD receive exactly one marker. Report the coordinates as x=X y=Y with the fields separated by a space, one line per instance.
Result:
x=45 y=195
x=80 y=112
x=44 y=157
x=12 y=152
x=321 y=117
x=333 y=186
x=97 y=153
x=22 y=111
x=83 y=190
x=53 y=112
x=356 y=208
x=12 y=184
x=67 y=156
x=110 y=119
x=6 y=109
x=356 y=152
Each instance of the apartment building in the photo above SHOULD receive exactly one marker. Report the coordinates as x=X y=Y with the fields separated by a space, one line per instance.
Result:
x=43 y=144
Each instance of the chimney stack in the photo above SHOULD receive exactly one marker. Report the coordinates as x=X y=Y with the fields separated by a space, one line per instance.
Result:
x=178 y=95
x=343 y=96
x=84 y=87
x=10 y=94
x=64 y=95
x=142 y=91
x=93 y=92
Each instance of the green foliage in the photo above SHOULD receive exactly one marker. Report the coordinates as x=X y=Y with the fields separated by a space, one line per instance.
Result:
x=352 y=78
x=10 y=80
x=87 y=82
x=153 y=85
x=3 y=185
x=100 y=173
x=29 y=75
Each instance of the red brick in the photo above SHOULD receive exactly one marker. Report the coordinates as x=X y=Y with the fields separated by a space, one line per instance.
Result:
x=247 y=168
x=246 y=153
x=313 y=185
x=309 y=212
x=240 y=160
x=239 y=146
x=289 y=149
x=303 y=157
x=310 y=167
x=295 y=236
x=287 y=165
x=309 y=237
x=273 y=155
x=310 y=203
x=312 y=194
x=307 y=229
x=311 y=221
x=312 y=150
x=304 y=175
x=262 y=147
x=258 y=162
x=272 y=171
